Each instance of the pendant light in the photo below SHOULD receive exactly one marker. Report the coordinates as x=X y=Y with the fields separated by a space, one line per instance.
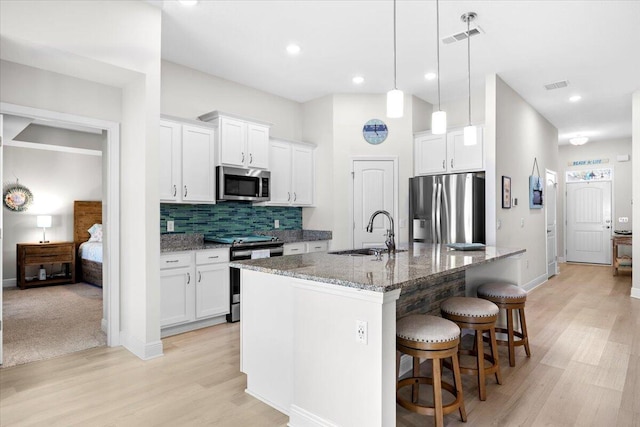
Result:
x=438 y=118
x=470 y=131
x=395 y=97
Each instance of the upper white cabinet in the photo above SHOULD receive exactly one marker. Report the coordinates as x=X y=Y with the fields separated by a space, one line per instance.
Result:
x=187 y=164
x=435 y=154
x=292 y=173
x=240 y=142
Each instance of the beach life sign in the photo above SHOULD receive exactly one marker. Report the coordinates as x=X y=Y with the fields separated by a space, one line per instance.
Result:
x=588 y=162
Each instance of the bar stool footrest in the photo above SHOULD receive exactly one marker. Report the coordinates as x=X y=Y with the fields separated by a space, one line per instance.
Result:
x=427 y=410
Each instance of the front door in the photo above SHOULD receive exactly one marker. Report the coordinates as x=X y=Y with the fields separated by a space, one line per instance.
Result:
x=550 y=206
x=589 y=222
x=373 y=189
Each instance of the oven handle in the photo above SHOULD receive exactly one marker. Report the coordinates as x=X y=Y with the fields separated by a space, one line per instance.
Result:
x=247 y=253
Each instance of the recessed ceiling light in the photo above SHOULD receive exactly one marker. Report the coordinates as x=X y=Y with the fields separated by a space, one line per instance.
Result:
x=430 y=76
x=293 y=49
x=575 y=98
x=579 y=140
x=358 y=80
x=188 y=2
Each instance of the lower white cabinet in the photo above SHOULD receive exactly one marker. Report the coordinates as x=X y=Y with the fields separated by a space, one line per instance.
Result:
x=193 y=286
x=294 y=248
x=306 y=247
x=317 y=246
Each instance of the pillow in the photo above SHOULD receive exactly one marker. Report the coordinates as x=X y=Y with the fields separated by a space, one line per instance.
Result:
x=96 y=233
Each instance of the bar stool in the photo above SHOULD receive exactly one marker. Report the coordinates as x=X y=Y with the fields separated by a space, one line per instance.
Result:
x=433 y=338
x=509 y=297
x=479 y=315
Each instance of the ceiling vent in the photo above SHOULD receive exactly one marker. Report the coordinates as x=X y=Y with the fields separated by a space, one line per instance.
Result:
x=462 y=36
x=557 y=85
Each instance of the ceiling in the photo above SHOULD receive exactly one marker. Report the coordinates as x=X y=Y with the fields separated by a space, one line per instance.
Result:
x=592 y=44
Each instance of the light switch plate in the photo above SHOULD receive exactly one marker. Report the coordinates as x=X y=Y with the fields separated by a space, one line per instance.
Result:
x=276 y=223
x=170 y=226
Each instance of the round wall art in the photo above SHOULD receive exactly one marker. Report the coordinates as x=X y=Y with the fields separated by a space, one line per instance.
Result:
x=17 y=197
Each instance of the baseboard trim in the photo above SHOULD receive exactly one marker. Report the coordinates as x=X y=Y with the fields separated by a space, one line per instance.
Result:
x=535 y=282
x=180 y=329
x=635 y=293
x=10 y=283
x=145 y=351
x=302 y=418
x=267 y=401
x=103 y=326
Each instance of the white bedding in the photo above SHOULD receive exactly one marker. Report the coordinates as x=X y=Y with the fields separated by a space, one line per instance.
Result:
x=91 y=251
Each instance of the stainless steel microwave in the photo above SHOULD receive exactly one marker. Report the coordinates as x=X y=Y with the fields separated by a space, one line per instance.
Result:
x=243 y=184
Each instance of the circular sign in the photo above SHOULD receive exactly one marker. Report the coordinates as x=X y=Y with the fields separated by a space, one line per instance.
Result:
x=375 y=131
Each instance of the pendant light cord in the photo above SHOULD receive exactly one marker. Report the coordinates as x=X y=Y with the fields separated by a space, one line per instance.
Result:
x=438 y=47
x=395 y=65
x=469 y=64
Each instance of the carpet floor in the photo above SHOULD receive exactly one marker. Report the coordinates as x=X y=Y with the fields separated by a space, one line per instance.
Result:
x=41 y=323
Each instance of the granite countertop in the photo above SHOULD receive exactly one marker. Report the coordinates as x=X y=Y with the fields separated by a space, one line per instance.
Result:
x=420 y=262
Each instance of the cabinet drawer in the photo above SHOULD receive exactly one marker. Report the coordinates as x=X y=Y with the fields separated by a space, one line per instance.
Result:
x=294 y=248
x=320 y=246
x=175 y=260
x=48 y=253
x=212 y=256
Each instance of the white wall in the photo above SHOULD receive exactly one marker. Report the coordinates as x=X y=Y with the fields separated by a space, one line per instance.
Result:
x=522 y=135
x=622 y=180
x=189 y=93
x=61 y=137
x=635 y=290
x=56 y=180
x=458 y=111
x=116 y=43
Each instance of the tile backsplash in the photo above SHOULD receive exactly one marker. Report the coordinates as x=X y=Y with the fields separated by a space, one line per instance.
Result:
x=228 y=218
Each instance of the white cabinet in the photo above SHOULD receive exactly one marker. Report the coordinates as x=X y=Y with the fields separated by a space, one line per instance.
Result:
x=317 y=246
x=292 y=173
x=306 y=247
x=187 y=164
x=240 y=142
x=294 y=248
x=194 y=286
x=435 y=154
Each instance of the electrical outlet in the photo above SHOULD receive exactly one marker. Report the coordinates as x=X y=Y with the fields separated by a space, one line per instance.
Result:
x=623 y=219
x=361 y=331
x=276 y=223
x=521 y=222
x=170 y=226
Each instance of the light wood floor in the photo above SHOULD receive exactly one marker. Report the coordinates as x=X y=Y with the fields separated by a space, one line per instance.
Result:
x=584 y=370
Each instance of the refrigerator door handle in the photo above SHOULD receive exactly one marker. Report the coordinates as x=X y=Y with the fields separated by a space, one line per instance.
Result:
x=438 y=208
x=434 y=208
x=446 y=218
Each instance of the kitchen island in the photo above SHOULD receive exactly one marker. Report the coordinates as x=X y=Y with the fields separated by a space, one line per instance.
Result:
x=301 y=314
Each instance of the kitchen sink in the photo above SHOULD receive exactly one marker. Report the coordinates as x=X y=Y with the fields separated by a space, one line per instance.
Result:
x=363 y=251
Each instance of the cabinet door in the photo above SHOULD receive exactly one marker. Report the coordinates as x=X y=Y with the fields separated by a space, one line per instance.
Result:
x=257 y=146
x=212 y=290
x=463 y=157
x=319 y=246
x=280 y=154
x=198 y=171
x=302 y=179
x=176 y=296
x=430 y=154
x=294 y=248
x=169 y=161
x=233 y=136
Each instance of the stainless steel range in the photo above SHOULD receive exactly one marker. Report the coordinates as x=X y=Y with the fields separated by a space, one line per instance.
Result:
x=246 y=247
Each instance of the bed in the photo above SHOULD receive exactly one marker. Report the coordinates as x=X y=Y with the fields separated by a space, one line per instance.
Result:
x=86 y=214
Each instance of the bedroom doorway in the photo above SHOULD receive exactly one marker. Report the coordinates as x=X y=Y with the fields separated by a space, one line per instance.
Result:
x=110 y=216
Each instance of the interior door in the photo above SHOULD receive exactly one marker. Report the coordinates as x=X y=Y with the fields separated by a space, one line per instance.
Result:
x=551 y=218
x=1 y=236
x=373 y=189
x=589 y=222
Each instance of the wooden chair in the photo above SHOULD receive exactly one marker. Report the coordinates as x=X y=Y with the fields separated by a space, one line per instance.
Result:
x=479 y=315
x=433 y=338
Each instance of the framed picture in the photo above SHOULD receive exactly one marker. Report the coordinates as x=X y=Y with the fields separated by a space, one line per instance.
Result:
x=535 y=192
x=506 y=192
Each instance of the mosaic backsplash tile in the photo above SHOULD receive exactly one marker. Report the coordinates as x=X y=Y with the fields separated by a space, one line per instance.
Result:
x=228 y=218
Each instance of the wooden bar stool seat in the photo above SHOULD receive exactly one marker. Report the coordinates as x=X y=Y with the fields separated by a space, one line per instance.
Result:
x=479 y=315
x=509 y=297
x=434 y=338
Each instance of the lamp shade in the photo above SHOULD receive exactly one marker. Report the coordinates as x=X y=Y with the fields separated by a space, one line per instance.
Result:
x=43 y=221
x=470 y=135
x=395 y=103
x=439 y=122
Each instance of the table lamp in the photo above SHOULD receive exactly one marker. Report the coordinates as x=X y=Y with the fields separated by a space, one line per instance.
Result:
x=44 y=221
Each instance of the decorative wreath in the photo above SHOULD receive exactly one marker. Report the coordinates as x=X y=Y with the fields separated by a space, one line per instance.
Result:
x=17 y=197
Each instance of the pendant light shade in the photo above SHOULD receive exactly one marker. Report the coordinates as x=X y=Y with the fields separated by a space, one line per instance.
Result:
x=395 y=97
x=439 y=122
x=395 y=103
x=470 y=132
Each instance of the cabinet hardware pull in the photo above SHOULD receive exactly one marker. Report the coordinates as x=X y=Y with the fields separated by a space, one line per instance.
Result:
x=175 y=190
x=199 y=277
x=288 y=196
x=250 y=158
x=451 y=162
x=295 y=196
x=214 y=257
x=242 y=158
x=294 y=250
x=185 y=191
x=172 y=260
x=443 y=164
x=188 y=278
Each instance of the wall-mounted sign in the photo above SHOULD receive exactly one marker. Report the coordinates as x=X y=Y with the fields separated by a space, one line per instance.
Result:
x=589 y=175
x=588 y=162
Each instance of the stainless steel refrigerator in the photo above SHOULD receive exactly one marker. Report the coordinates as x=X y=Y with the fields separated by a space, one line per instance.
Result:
x=447 y=208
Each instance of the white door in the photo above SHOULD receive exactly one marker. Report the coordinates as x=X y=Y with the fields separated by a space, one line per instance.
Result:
x=464 y=157
x=258 y=146
x=589 y=222
x=373 y=189
x=169 y=161
x=430 y=154
x=1 y=237
x=197 y=165
x=212 y=290
x=233 y=136
x=550 y=207
x=177 y=296
x=302 y=178
x=280 y=154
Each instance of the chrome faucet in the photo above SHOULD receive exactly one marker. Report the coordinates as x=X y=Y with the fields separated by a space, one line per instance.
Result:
x=390 y=242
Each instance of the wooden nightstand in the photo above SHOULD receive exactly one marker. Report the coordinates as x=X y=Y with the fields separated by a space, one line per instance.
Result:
x=46 y=253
